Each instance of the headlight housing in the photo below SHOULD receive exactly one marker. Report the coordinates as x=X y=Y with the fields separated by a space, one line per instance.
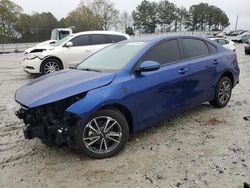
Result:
x=30 y=56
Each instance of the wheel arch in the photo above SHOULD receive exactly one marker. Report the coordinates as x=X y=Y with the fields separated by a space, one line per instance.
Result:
x=125 y=111
x=229 y=75
x=51 y=57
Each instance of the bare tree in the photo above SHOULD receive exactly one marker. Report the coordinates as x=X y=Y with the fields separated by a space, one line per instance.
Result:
x=125 y=20
x=106 y=13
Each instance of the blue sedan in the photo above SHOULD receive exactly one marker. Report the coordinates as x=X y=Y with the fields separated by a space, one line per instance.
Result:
x=125 y=88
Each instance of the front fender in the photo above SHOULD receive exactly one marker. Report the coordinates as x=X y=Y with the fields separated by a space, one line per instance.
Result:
x=99 y=98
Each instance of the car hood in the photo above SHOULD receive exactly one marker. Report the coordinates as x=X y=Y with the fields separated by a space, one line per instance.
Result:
x=46 y=43
x=38 y=49
x=60 y=85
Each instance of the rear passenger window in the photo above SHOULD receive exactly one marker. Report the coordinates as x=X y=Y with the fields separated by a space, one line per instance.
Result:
x=100 y=39
x=165 y=52
x=82 y=40
x=117 y=38
x=195 y=48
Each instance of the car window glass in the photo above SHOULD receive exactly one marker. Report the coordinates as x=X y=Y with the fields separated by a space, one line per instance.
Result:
x=165 y=52
x=100 y=39
x=195 y=48
x=211 y=47
x=114 y=57
x=245 y=36
x=63 y=34
x=222 y=41
x=226 y=41
x=117 y=38
x=81 y=40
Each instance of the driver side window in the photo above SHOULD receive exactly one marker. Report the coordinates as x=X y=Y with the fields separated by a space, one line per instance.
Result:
x=164 y=53
x=81 y=40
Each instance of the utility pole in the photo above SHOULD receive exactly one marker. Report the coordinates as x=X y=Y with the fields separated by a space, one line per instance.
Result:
x=237 y=18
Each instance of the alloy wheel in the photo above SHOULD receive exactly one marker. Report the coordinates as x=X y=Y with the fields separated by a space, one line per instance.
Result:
x=224 y=92
x=102 y=135
x=51 y=67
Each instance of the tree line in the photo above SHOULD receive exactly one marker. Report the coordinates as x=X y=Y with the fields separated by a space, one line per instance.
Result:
x=148 y=17
x=165 y=16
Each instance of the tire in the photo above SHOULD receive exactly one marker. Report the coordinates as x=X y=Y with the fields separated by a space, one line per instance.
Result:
x=98 y=142
x=222 y=93
x=247 y=52
x=47 y=142
x=50 y=65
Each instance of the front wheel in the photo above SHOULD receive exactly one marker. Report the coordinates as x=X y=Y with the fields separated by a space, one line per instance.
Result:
x=222 y=93
x=104 y=135
x=51 y=65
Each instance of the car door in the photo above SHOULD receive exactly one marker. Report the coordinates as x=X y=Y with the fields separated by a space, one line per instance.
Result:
x=161 y=94
x=203 y=64
x=80 y=50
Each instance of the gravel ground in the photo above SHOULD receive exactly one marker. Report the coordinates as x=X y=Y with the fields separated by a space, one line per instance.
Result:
x=204 y=147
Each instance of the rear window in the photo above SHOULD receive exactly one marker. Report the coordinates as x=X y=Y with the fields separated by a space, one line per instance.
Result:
x=99 y=39
x=117 y=38
x=195 y=48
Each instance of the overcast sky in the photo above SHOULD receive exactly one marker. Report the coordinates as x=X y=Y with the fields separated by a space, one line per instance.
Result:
x=60 y=8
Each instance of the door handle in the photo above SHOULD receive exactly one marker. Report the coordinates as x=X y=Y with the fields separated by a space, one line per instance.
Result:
x=87 y=50
x=216 y=62
x=182 y=70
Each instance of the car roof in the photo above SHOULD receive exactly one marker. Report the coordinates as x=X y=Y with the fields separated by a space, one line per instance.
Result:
x=155 y=38
x=215 y=38
x=100 y=32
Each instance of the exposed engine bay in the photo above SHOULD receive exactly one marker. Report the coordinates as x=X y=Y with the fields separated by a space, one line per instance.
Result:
x=50 y=123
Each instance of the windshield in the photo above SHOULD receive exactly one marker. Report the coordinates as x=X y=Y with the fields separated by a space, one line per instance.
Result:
x=63 y=34
x=54 y=35
x=59 y=42
x=113 y=57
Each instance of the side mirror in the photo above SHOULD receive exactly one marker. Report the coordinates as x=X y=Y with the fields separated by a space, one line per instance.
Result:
x=69 y=44
x=148 y=66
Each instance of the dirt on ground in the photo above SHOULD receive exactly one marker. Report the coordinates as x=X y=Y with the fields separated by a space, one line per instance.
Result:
x=204 y=147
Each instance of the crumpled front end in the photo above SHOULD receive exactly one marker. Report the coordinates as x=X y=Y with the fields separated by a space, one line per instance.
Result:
x=50 y=123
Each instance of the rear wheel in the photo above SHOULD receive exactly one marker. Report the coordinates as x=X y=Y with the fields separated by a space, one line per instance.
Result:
x=222 y=93
x=51 y=65
x=104 y=135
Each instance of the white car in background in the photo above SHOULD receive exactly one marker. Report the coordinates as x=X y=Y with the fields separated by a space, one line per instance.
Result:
x=242 y=37
x=226 y=43
x=68 y=52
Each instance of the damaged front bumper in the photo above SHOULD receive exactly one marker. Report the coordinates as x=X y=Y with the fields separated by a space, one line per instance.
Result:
x=47 y=127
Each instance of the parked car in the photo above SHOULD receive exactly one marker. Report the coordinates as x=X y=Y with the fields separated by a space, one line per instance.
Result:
x=221 y=35
x=125 y=88
x=69 y=51
x=241 y=37
x=247 y=47
x=245 y=37
x=226 y=43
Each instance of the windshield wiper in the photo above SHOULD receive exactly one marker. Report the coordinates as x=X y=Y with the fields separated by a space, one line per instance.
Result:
x=72 y=67
x=89 y=69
